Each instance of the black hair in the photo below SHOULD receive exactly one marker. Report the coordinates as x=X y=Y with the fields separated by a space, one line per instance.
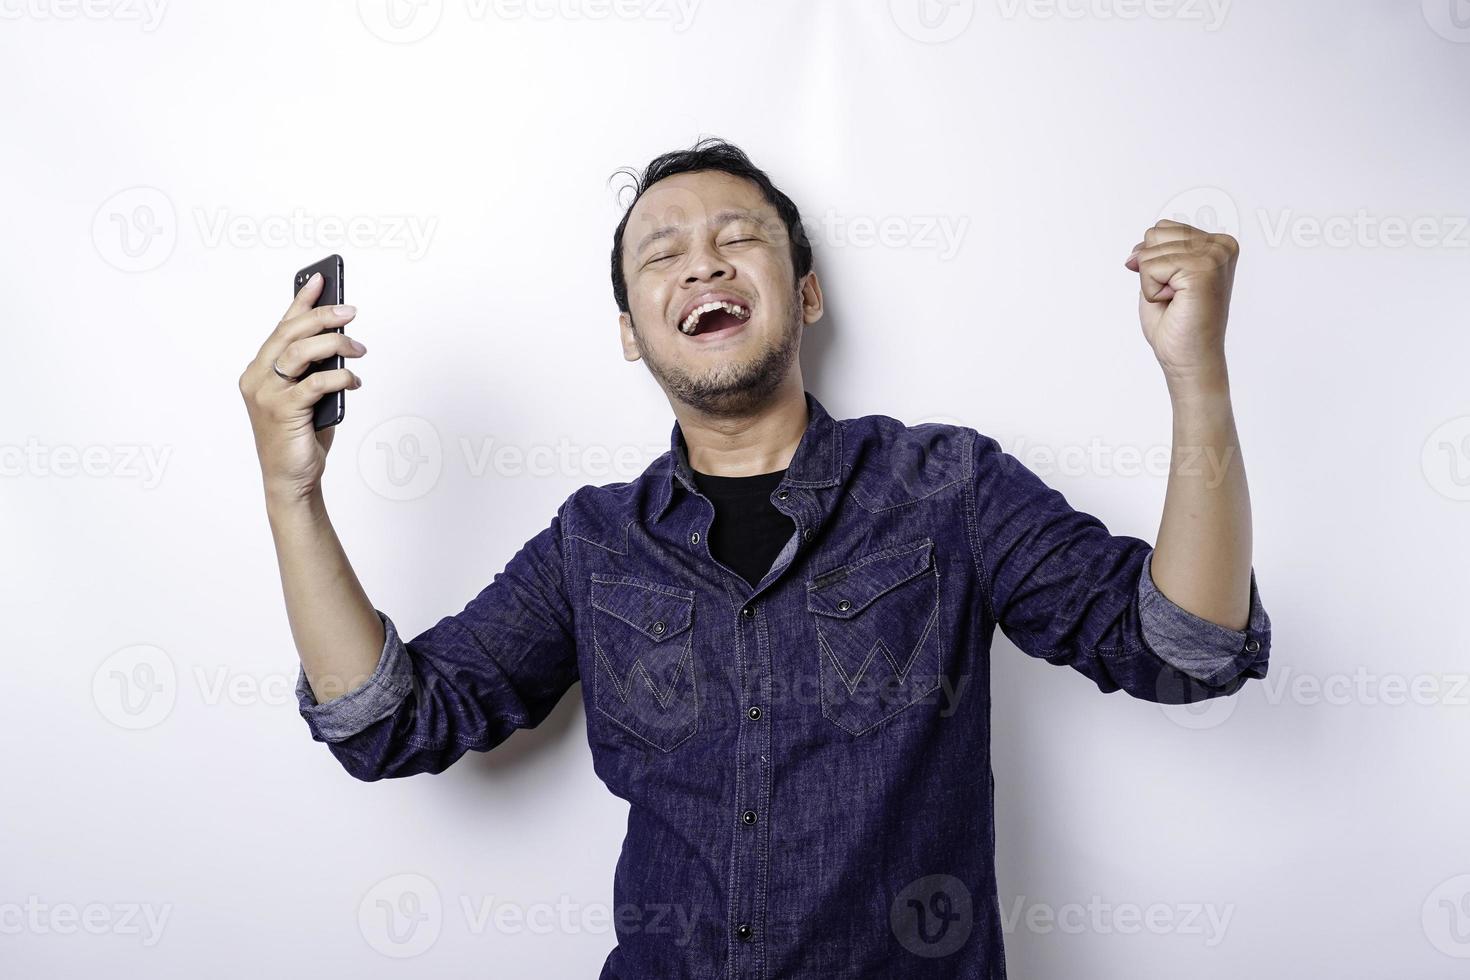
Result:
x=709 y=153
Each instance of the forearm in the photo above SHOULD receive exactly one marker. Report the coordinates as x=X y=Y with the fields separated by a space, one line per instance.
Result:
x=1202 y=560
x=337 y=632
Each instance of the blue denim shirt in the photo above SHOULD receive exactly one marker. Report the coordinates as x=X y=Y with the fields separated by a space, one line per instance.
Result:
x=806 y=762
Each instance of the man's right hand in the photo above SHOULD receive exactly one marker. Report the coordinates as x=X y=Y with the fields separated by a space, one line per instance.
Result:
x=293 y=454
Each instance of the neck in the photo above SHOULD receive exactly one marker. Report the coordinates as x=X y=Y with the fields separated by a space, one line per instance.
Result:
x=761 y=441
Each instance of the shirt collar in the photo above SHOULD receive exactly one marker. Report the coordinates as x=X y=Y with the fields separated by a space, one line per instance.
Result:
x=814 y=464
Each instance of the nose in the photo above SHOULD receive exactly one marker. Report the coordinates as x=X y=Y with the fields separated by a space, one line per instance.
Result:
x=707 y=264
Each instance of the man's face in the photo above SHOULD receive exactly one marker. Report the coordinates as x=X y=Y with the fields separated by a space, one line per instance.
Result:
x=709 y=237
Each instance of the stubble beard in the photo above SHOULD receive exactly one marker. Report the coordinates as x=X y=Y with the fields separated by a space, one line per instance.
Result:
x=733 y=389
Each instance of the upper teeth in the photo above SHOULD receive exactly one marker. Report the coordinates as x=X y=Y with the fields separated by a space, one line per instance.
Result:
x=692 y=320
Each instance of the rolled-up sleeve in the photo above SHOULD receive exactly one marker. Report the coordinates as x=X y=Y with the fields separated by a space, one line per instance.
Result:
x=467 y=682
x=1067 y=591
x=345 y=716
x=1210 y=653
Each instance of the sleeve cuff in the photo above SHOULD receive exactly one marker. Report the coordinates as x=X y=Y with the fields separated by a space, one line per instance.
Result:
x=344 y=716
x=1206 y=651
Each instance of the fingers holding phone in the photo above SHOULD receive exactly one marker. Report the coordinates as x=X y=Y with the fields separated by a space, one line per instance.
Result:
x=332 y=292
x=311 y=338
x=293 y=389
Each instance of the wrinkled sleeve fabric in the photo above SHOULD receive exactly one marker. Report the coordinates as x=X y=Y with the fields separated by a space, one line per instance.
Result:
x=1065 y=590
x=466 y=683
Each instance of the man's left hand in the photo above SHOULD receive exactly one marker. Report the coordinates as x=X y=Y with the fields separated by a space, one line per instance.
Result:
x=1185 y=277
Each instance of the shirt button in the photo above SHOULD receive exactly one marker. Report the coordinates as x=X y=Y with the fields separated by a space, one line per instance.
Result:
x=806 y=535
x=659 y=627
x=754 y=713
x=694 y=538
x=744 y=931
x=844 y=605
x=747 y=611
x=780 y=494
x=1252 y=645
x=748 y=816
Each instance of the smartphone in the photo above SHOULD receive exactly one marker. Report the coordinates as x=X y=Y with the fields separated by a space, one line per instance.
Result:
x=332 y=407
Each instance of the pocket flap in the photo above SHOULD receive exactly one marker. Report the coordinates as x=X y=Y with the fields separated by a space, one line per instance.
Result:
x=657 y=611
x=846 y=591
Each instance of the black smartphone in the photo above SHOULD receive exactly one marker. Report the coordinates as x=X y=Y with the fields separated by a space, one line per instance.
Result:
x=332 y=407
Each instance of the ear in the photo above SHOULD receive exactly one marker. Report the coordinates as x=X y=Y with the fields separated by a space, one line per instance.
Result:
x=810 y=297
x=631 y=350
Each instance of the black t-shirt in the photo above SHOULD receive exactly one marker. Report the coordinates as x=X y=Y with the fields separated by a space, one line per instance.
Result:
x=748 y=532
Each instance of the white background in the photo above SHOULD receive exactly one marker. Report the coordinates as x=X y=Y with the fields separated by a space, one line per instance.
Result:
x=156 y=163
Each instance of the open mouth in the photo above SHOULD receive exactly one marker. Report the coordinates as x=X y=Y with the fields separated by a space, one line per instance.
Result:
x=714 y=317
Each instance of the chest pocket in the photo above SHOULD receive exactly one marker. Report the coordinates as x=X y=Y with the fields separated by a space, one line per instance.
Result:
x=643 y=641
x=877 y=622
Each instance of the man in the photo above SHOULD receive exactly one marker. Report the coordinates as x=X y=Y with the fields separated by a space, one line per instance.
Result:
x=783 y=626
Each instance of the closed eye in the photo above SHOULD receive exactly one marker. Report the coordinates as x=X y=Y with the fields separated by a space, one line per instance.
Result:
x=665 y=258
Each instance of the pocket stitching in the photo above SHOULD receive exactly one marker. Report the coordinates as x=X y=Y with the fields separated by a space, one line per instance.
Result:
x=608 y=673
x=828 y=660
x=641 y=669
x=887 y=650
x=685 y=597
x=897 y=551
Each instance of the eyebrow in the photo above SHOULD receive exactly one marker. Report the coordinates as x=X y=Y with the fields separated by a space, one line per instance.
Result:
x=719 y=218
